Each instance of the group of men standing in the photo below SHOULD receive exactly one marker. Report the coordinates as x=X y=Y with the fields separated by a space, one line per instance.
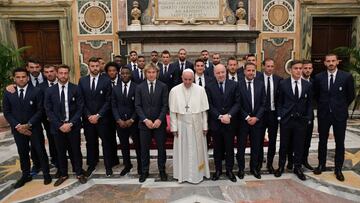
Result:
x=133 y=101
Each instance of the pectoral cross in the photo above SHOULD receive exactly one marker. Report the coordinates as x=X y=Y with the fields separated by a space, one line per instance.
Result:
x=187 y=107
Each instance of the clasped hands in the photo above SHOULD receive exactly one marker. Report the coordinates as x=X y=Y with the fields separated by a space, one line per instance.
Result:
x=125 y=124
x=24 y=129
x=152 y=125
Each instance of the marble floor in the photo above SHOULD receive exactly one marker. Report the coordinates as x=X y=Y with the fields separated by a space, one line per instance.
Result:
x=99 y=188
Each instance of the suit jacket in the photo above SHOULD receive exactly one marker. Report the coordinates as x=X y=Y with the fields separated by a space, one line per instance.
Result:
x=338 y=98
x=154 y=107
x=136 y=76
x=290 y=106
x=208 y=80
x=30 y=110
x=167 y=77
x=123 y=107
x=209 y=71
x=245 y=101
x=176 y=72
x=97 y=102
x=276 y=81
x=220 y=104
x=53 y=106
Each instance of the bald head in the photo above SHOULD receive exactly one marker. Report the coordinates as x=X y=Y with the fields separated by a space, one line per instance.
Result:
x=220 y=72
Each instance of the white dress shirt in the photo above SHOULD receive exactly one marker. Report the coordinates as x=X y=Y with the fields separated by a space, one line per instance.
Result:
x=24 y=88
x=298 y=84
x=96 y=80
x=127 y=87
x=66 y=99
x=272 y=101
x=115 y=81
x=149 y=85
x=231 y=77
x=132 y=65
x=329 y=77
x=54 y=82
x=39 y=77
x=202 y=79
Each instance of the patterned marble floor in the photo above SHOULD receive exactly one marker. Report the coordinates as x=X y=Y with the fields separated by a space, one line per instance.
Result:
x=322 y=188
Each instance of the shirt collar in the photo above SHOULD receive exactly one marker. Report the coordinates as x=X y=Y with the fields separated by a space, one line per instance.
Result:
x=293 y=80
x=266 y=76
x=148 y=82
x=246 y=80
x=96 y=77
x=55 y=81
x=128 y=83
x=24 y=88
x=66 y=85
x=182 y=62
x=334 y=73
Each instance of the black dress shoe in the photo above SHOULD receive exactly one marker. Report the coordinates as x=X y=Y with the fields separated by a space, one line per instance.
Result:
x=241 y=174
x=126 y=170
x=163 y=176
x=89 y=171
x=82 y=179
x=256 y=174
x=143 y=177
x=270 y=168
x=299 y=173
x=60 y=180
x=231 y=176
x=339 y=175
x=307 y=165
x=279 y=172
x=109 y=172
x=318 y=170
x=47 y=179
x=21 y=182
x=216 y=175
x=57 y=174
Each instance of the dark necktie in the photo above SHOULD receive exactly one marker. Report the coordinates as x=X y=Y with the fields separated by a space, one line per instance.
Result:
x=296 y=90
x=112 y=83
x=233 y=78
x=51 y=84
x=93 y=85
x=62 y=103
x=268 y=95
x=182 y=67
x=36 y=82
x=221 y=87
x=331 y=81
x=134 y=66
x=200 y=81
x=165 y=70
x=151 y=88
x=125 y=90
x=141 y=75
x=22 y=94
x=250 y=95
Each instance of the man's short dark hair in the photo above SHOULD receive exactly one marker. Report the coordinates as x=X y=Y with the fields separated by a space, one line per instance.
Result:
x=199 y=60
x=249 y=64
x=125 y=68
x=63 y=66
x=19 y=70
x=165 y=52
x=117 y=56
x=204 y=51
x=133 y=51
x=50 y=65
x=32 y=60
x=306 y=61
x=155 y=52
x=94 y=59
x=250 y=55
x=231 y=58
x=331 y=54
x=111 y=64
x=293 y=62
x=141 y=57
x=266 y=60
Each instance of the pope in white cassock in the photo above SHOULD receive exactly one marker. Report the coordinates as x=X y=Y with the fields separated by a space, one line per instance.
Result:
x=188 y=122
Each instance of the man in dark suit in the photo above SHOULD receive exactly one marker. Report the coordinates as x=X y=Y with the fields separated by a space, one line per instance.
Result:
x=64 y=105
x=201 y=78
x=155 y=58
x=23 y=110
x=223 y=96
x=334 y=92
x=133 y=60
x=165 y=74
x=50 y=74
x=252 y=107
x=123 y=108
x=249 y=58
x=209 y=66
x=232 y=70
x=307 y=70
x=95 y=90
x=216 y=59
x=178 y=67
x=271 y=82
x=151 y=104
x=112 y=71
x=138 y=75
x=294 y=113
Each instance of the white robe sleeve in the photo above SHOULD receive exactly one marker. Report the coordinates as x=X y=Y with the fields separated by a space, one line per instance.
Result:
x=205 y=120
x=173 y=122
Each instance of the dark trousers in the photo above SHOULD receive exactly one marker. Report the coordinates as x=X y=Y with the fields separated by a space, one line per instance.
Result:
x=92 y=133
x=23 y=146
x=255 y=137
x=271 y=124
x=145 y=141
x=114 y=147
x=124 y=134
x=35 y=159
x=223 y=140
x=69 y=142
x=339 y=128
x=292 y=133
x=307 y=143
